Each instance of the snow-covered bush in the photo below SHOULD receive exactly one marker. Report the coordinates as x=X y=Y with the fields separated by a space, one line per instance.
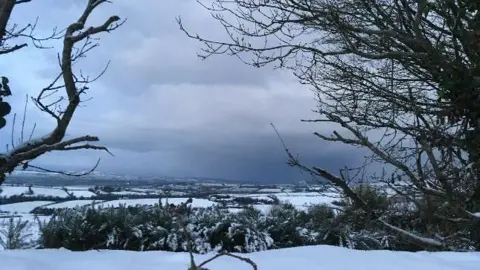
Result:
x=287 y=226
x=324 y=221
x=217 y=229
x=15 y=234
x=151 y=228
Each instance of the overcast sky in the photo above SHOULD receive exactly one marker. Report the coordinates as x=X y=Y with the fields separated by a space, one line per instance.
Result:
x=160 y=109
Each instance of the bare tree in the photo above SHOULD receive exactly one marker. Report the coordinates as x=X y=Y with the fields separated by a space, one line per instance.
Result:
x=61 y=98
x=401 y=78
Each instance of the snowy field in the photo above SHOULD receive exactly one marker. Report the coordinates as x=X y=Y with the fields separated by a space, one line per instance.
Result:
x=8 y=191
x=22 y=207
x=300 y=200
x=72 y=204
x=78 y=188
x=120 y=193
x=81 y=193
x=301 y=258
x=46 y=191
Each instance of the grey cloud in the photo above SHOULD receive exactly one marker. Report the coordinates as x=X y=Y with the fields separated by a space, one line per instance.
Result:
x=156 y=51
x=150 y=48
x=163 y=111
x=260 y=159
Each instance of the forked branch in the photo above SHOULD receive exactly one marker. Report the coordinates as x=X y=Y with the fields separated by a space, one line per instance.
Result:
x=72 y=85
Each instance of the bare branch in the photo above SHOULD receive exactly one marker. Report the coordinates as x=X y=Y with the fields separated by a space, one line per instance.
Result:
x=399 y=78
x=65 y=88
x=243 y=259
x=28 y=165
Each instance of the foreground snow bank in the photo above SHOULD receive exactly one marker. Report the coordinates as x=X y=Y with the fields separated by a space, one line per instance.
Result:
x=303 y=258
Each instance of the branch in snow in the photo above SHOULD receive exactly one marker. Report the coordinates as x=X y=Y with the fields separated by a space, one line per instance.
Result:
x=243 y=259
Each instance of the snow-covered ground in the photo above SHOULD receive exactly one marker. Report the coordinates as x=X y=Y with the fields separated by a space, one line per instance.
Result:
x=270 y=190
x=263 y=207
x=306 y=201
x=78 y=187
x=47 y=191
x=26 y=207
x=81 y=193
x=260 y=207
x=146 y=190
x=126 y=192
x=300 y=200
x=22 y=207
x=72 y=204
x=8 y=191
x=301 y=258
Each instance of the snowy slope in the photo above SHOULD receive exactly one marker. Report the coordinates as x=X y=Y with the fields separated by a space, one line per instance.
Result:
x=304 y=258
x=23 y=207
x=47 y=191
x=8 y=191
x=72 y=204
x=81 y=193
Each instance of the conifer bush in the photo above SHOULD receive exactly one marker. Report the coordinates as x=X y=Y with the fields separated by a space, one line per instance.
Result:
x=155 y=227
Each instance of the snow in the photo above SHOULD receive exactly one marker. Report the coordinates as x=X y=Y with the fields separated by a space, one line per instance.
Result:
x=262 y=197
x=72 y=204
x=298 y=199
x=262 y=207
x=43 y=191
x=145 y=190
x=302 y=258
x=302 y=200
x=270 y=190
x=22 y=207
x=305 y=200
x=82 y=193
x=176 y=201
x=234 y=210
x=8 y=191
x=127 y=193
